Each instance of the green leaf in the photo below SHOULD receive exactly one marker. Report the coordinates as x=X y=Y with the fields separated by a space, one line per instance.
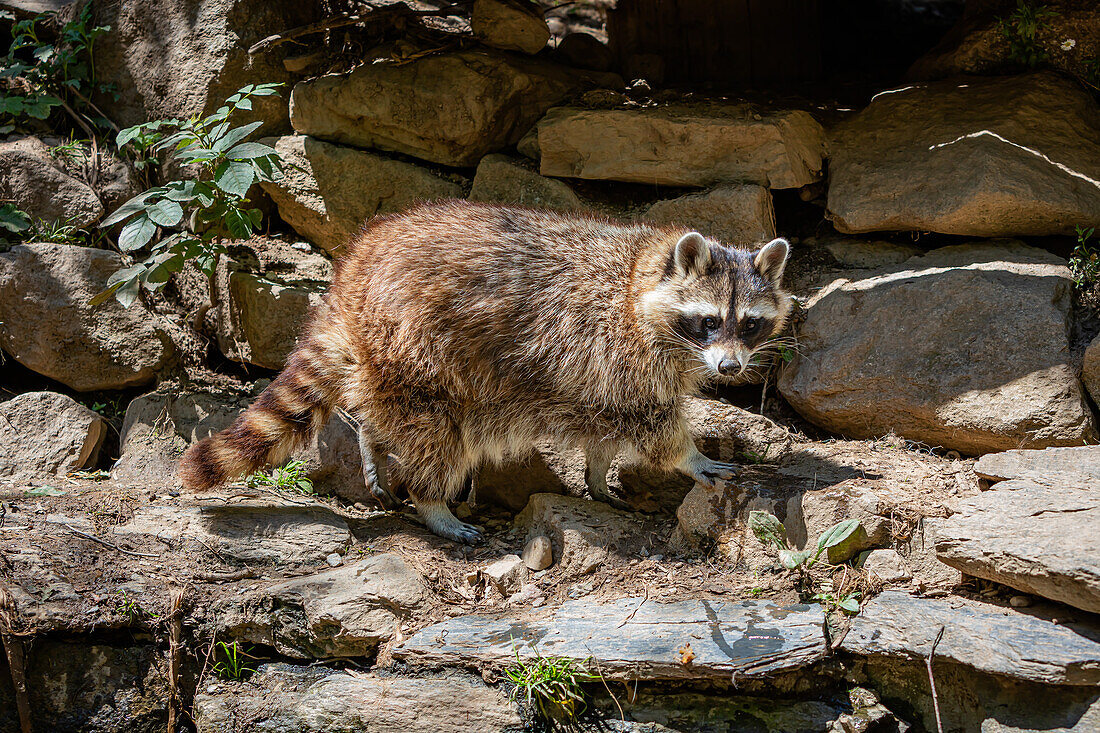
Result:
x=235 y=178
x=244 y=104
x=116 y=282
x=13 y=219
x=851 y=605
x=165 y=212
x=767 y=528
x=136 y=234
x=235 y=135
x=127 y=294
x=131 y=207
x=238 y=223
x=791 y=559
x=160 y=267
x=836 y=534
x=249 y=151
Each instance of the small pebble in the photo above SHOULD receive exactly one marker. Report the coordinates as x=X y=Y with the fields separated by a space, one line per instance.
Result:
x=538 y=553
x=334 y=559
x=462 y=511
x=1019 y=601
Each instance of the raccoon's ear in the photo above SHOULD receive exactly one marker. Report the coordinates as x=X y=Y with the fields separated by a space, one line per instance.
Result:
x=692 y=254
x=771 y=259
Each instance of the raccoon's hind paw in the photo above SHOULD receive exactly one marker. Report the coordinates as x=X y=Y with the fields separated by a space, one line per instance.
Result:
x=712 y=473
x=441 y=522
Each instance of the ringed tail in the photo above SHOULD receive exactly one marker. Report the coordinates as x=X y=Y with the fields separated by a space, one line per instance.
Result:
x=282 y=420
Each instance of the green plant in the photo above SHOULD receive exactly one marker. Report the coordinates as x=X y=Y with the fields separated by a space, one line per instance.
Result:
x=1084 y=261
x=551 y=684
x=57 y=232
x=201 y=213
x=786 y=354
x=1021 y=30
x=132 y=610
x=291 y=477
x=38 y=76
x=14 y=220
x=232 y=663
x=847 y=602
x=770 y=531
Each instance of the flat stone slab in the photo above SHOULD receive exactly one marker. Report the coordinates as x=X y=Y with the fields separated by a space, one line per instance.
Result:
x=1075 y=466
x=1035 y=538
x=988 y=638
x=637 y=639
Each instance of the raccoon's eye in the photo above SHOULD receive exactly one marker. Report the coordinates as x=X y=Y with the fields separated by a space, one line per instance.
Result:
x=750 y=325
x=710 y=323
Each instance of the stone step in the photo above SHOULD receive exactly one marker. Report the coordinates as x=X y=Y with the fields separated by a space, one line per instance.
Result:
x=636 y=639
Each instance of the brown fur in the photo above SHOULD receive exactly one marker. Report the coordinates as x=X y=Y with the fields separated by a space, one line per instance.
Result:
x=458 y=333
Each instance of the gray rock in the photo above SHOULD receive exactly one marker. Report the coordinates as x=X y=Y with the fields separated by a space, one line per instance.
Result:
x=987 y=638
x=502 y=180
x=869 y=255
x=1090 y=369
x=371 y=106
x=538 y=553
x=511 y=25
x=583 y=532
x=253 y=532
x=178 y=58
x=682 y=146
x=887 y=565
x=506 y=574
x=47 y=325
x=281 y=697
x=736 y=214
x=1074 y=466
x=584 y=51
x=46 y=432
x=330 y=191
x=1008 y=156
x=1035 y=538
x=35 y=183
x=635 y=639
x=922 y=349
x=344 y=612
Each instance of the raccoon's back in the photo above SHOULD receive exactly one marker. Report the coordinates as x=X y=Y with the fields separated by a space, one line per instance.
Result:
x=492 y=299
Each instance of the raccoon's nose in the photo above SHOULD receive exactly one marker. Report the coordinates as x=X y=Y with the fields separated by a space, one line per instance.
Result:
x=727 y=367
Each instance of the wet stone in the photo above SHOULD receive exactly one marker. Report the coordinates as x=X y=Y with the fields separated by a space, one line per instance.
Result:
x=637 y=639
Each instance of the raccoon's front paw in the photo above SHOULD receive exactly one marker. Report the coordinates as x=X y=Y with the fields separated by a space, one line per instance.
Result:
x=713 y=473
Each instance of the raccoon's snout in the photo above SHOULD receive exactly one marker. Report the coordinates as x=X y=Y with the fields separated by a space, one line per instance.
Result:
x=728 y=367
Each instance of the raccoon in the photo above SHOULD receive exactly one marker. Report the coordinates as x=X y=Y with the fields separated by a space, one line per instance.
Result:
x=457 y=333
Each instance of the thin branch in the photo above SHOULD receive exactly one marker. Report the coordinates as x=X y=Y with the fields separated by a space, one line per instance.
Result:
x=105 y=543
x=932 y=681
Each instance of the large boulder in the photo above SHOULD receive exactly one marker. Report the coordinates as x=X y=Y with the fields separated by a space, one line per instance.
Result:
x=1068 y=36
x=262 y=310
x=924 y=350
x=33 y=182
x=736 y=214
x=371 y=106
x=47 y=325
x=330 y=191
x=683 y=145
x=46 y=432
x=504 y=180
x=513 y=25
x=978 y=157
x=178 y=58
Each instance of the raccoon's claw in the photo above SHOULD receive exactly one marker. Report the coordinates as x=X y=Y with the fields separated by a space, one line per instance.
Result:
x=613 y=501
x=712 y=473
x=385 y=498
x=461 y=532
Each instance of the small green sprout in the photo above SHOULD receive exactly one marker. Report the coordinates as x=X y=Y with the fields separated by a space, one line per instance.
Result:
x=233 y=662
x=291 y=477
x=551 y=684
x=770 y=531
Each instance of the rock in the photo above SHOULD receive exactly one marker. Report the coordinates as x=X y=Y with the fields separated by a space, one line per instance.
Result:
x=1019 y=601
x=506 y=574
x=736 y=214
x=887 y=565
x=636 y=639
x=330 y=191
x=1090 y=369
x=584 y=51
x=1010 y=156
x=254 y=532
x=344 y=612
x=1030 y=537
x=810 y=513
x=528 y=145
x=261 y=314
x=986 y=638
x=321 y=700
x=1076 y=466
x=538 y=553
x=922 y=349
x=178 y=58
x=502 y=180
x=46 y=432
x=371 y=106
x=47 y=325
x=977 y=44
x=512 y=25
x=583 y=532
x=334 y=560
x=869 y=255
x=699 y=712
x=682 y=146
x=35 y=183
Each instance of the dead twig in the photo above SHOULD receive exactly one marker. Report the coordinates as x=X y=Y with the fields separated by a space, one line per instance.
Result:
x=626 y=620
x=105 y=543
x=225 y=577
x=932 y=681
x=13 y=649
x=175 y=635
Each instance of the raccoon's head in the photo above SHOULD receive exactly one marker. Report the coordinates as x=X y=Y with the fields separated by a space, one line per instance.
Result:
x=721 y=305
